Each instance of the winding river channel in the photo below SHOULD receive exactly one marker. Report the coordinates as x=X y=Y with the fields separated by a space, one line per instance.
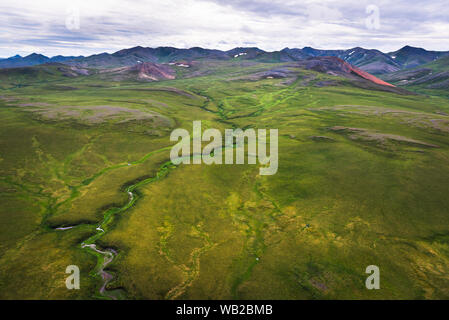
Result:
x=107 y=255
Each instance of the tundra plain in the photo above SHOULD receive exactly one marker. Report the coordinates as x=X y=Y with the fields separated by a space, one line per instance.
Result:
x=362 y=180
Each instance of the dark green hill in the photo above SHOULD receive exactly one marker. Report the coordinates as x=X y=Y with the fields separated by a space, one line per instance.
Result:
x=433 y=75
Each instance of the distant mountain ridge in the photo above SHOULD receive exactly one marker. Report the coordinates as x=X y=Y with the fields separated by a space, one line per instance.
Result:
x=369 y=60
x=32 y=60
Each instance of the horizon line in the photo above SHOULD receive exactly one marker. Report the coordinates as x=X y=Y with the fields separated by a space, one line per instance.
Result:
x=189 y=48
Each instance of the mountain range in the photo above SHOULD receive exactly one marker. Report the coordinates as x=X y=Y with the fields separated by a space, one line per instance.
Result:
x=32 y=60
x=368 y=60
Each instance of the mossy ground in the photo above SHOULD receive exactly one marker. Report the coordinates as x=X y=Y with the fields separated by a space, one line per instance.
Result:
x=335 y=206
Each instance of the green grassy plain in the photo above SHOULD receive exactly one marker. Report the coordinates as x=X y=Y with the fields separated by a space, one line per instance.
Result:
x=339 y=202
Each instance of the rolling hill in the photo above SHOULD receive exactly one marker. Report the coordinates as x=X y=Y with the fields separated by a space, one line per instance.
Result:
x=150 y=71
x=145 y=71
x=433 y=75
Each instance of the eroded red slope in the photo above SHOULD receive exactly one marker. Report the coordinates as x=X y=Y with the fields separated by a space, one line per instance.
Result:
x=368 y=76
x=337 y=66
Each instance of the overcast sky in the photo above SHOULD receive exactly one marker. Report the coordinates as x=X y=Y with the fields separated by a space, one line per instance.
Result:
x=83 y=27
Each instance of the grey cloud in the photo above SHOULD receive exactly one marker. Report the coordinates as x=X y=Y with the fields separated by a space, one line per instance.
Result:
x=269 y=24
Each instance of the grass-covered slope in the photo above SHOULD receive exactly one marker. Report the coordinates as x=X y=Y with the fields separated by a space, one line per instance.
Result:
x=431 y=78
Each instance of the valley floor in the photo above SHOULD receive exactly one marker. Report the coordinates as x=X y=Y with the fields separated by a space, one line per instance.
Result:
x=362 y=181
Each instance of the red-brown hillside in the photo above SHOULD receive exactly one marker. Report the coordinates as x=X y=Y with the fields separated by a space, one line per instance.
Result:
x=368 y=76
x=146 y=71
x=153 y=71
x=337 y=66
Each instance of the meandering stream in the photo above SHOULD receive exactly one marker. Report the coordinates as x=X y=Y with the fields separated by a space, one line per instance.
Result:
x=106 y=256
